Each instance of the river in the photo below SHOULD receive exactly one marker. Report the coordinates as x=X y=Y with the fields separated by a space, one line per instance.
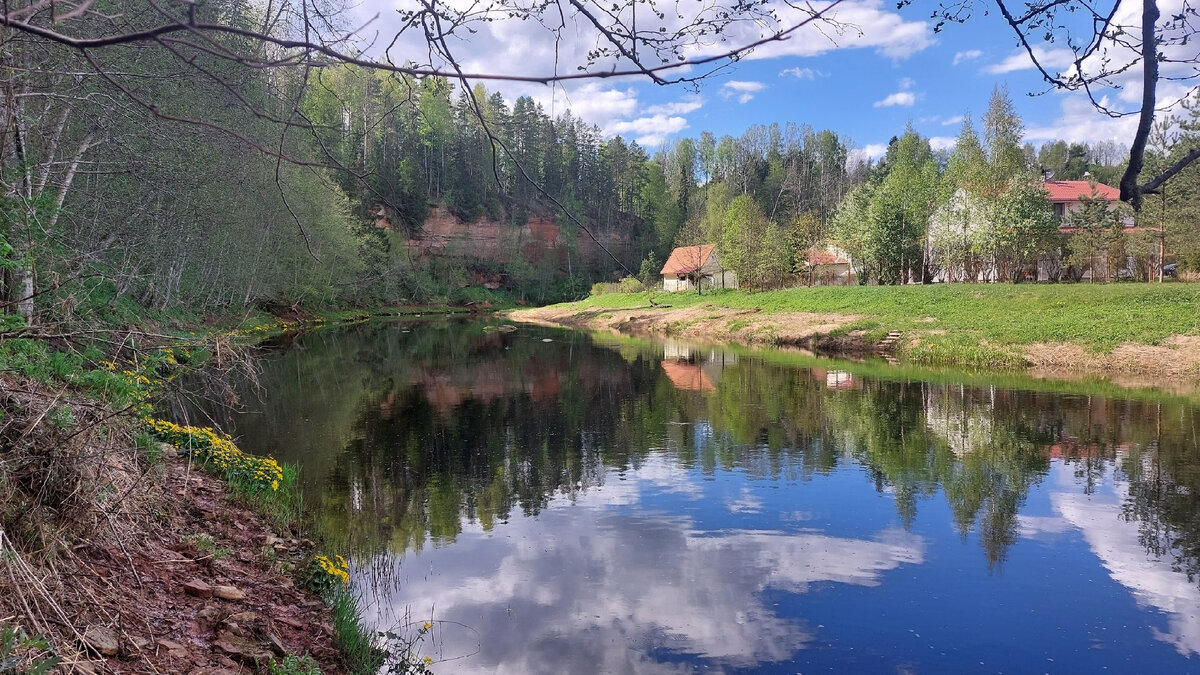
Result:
x=552 y=501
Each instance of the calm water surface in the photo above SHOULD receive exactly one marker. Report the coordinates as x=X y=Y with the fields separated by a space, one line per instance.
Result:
x=561 y=503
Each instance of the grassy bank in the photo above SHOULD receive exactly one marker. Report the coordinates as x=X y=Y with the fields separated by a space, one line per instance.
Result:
x=966 y=324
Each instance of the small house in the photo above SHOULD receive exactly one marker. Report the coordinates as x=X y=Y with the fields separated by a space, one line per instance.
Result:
x=692 y=267
x=829 y=266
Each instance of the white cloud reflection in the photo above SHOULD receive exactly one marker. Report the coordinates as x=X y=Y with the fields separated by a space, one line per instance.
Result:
x=588 y=588
x=1151 y=580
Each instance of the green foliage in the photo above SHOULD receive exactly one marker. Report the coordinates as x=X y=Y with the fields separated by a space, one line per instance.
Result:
x=149 y=447
x=37 y=360
x=1022 y=230
x=741 y=248
x=883 y=225
x=994 y=220
x=1002 y=131
x=405 y=649
x=626 y=285
x=326 y=576
x=1177 y=207
x=20 y=653
x=1099 y=236
x=206 y=544
x=294 y=665
x=267 y=485
x=61 y=417
x=649 y=273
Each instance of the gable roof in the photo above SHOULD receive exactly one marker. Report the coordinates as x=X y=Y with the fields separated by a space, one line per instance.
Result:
x=817 y=256
x=687 y=259
x=1064 y=191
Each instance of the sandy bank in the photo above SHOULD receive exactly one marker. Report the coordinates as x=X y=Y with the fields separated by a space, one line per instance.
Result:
x=1177 y=358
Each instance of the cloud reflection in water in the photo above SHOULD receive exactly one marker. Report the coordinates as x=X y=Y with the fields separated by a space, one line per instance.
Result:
x=589 y=586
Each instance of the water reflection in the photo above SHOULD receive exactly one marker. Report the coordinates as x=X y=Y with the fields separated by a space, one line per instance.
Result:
x=630 y=589
x=1153 y=581
x=663 y=507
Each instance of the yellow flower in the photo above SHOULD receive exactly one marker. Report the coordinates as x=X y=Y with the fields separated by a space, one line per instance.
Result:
x=428 y=661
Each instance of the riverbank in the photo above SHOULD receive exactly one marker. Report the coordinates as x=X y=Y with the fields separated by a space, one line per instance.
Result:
x=1144 y=329
x=118 y=553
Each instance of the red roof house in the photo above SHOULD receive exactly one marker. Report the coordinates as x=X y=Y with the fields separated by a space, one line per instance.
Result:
x=688 y=259
x=688 y=266
x=1072 y=191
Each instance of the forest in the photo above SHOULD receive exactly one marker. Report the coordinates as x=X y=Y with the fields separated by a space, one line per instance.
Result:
x=133 y=184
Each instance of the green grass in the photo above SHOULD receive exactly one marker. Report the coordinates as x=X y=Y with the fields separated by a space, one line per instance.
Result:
x=294 y=665
x=206 y=544
x=283 y=507
x=353 y=637
x=1097 y=317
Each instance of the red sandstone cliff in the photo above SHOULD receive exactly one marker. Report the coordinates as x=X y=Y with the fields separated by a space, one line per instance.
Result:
x=444 y=235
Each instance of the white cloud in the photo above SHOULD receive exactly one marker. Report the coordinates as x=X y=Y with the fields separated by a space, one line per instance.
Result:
x=900 y=98
x=688 y=104
x=744 y=90
x=529 y=48
x=649 y=130
x=942 y=142
x=950 y=121
x=745 y=502
x=1051 y=59
x=903 y=98
x=860 y=24
x=800 y=73
x=875 y=150
x=744 y=86
x=1080 y=122
x=968 y=55
x=1150 y=579
x=595 y=102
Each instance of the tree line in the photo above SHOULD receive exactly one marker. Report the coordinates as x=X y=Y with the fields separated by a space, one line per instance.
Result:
x=130 y=181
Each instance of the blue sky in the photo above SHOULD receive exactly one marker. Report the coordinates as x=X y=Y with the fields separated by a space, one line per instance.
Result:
x=886 y=68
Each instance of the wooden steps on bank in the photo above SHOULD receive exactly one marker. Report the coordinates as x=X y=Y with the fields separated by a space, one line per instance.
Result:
x=888 y=345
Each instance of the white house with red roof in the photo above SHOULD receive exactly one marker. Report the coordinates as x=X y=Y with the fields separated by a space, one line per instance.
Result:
x=959 y=219
x=692 y=266
x=1068 y=195
x=829 y=266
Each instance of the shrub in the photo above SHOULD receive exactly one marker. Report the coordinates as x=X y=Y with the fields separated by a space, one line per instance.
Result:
x=626 y=285
x=219 y=451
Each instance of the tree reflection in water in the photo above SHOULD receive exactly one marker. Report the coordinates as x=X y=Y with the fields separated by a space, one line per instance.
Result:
x=409 y=439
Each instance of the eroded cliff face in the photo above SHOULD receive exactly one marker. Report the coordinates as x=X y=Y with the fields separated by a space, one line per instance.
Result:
x=539 y=241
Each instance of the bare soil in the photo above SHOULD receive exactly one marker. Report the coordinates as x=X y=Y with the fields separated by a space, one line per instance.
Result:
x=101 y=569
x=712 y=324
x=1176 y=360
